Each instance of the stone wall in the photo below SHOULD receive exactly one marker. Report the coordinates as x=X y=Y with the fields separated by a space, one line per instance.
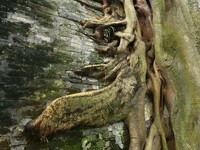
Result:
x=41 y=44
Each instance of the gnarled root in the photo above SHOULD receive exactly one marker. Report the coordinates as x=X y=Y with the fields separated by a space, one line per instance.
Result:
x=102 y=71
x=131 y=33
x=94 y=108
x=108 y=49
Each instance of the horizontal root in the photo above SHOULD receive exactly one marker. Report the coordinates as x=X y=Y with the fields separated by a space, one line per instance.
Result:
x=127 y=36
x=94 y=108
x=106 y=21
x=98 y=71
x=115 y=23
x=93 y=71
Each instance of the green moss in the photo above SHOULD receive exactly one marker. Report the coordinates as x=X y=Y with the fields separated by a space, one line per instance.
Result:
x=174 y=49
x=18 y=28
x=101 y=143
x=159 y=11
x=34 y=70
x=172 y=41
x=96 y=58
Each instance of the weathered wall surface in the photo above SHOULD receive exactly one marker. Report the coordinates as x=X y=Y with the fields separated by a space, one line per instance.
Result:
x=40 y=45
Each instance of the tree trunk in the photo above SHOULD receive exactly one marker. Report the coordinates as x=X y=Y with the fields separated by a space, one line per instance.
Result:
x=176 y=25
x=153 y=55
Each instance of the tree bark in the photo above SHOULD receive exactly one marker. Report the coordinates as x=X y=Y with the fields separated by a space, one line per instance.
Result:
x=177 y=51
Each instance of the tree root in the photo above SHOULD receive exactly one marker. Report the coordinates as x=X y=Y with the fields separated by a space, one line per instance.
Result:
x=144 y=14
x=109 y=49
x=131 y=20
x=169 y=92
x=111 y=75
x=153 y=139
x=94 y=108
x=98 y=71
x=123 y=99
x=104 y=22
x=155 y=88
x=136 y=122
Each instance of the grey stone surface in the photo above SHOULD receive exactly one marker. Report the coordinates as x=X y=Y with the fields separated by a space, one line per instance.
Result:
x=40 y=46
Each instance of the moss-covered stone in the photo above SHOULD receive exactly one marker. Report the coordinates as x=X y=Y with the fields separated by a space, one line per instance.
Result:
x=37 y=48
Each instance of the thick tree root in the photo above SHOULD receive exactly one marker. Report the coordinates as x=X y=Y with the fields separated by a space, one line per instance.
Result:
x=95 y=108
x=136 y=122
